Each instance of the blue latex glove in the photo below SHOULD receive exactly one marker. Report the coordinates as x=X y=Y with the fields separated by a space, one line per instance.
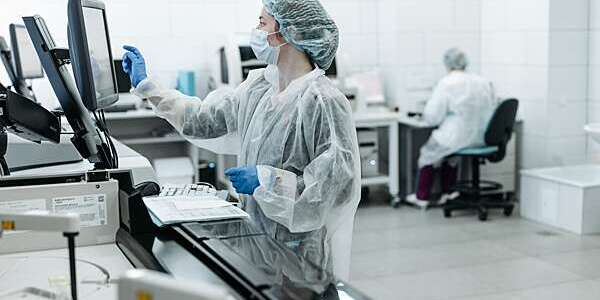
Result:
x=244 y=179
x=134 y=65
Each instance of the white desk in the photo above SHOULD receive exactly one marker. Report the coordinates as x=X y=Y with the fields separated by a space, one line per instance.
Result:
x=390 y=120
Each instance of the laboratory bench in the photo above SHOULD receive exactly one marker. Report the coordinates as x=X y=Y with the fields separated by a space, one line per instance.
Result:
x=233 y=254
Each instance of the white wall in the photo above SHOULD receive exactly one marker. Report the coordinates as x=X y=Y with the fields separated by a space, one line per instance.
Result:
x=406 y=38
x=594 y=75
x=413 y=36
x=534 y=50
x=537 y=51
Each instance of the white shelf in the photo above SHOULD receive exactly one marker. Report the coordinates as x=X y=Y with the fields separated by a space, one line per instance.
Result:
x=379 y=180
x=153 y=140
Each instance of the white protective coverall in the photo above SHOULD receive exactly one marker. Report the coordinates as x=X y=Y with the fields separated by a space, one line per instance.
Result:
x=303 y=142
x=462 y=106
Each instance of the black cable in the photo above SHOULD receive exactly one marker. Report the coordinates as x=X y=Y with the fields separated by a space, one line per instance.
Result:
x=113 y=148
x=110 y=140
x=101 y=130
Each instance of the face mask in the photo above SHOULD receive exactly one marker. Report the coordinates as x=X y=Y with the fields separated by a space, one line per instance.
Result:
x=263 y=51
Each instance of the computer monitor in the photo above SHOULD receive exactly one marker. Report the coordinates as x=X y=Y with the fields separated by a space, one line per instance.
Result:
x=91 y=54
x=26 y=63
x=86 y=134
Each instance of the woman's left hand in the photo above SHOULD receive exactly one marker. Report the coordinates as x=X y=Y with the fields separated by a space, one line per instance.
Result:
x=244 y=179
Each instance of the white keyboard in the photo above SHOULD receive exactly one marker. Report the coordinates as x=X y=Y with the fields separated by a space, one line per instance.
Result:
x=191 y=190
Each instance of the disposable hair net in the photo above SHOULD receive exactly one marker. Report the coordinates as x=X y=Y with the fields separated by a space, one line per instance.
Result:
x=306 y=25
x=455 y=59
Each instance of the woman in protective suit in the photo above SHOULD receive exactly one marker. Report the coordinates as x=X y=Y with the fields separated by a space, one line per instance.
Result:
x=461 y=106
x=300 y=170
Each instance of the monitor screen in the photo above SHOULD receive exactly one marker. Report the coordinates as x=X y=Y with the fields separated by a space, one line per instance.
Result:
x=26 y=60
x=100 y=58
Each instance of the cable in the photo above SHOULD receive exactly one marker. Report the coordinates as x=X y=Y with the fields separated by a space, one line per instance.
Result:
x=110 y=140
x=102 y=133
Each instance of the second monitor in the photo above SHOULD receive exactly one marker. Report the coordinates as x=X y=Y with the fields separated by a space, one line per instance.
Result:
x=90 y=54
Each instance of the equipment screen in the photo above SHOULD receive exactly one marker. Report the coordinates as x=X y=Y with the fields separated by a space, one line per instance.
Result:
x=97 y=39
x=30 y=64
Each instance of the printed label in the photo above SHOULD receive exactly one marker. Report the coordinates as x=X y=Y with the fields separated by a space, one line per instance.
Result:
x=21 y=206
x=91 y=208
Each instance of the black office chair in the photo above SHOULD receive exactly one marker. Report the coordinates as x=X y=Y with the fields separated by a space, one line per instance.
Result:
x=478 y=194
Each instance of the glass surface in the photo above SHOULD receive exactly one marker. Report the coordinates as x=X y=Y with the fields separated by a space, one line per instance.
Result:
x=99 y=52
x=31 y=66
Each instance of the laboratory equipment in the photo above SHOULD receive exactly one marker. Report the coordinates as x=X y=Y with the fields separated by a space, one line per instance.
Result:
x=186 y=82
x=26 y=119
x=25 y=63
x=236 y=61
x=92 y=195
x=369 y=91
x=147 y=285
x=91 y=54
x=67 y=223
x=199 y=189
x=93 y=143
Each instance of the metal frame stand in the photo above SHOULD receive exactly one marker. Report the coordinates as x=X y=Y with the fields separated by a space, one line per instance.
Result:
x=72 y=263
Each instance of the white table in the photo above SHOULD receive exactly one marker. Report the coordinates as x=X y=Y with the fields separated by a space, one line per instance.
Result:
x=379 y=119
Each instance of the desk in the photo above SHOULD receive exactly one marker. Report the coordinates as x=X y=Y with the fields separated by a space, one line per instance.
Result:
x=411 y=129
x=414 y=133
x=390 y=121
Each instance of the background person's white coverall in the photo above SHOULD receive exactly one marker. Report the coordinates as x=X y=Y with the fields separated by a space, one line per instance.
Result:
x=462 y=106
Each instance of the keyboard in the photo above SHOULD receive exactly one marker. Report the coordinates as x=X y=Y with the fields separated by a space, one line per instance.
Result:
x=191 y=190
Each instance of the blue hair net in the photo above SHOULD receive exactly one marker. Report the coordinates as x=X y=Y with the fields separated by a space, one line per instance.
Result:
x=455 y=59
x=306 y=25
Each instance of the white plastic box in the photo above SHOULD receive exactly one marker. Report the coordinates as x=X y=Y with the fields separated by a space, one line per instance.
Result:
x=174 y=170
x=566 y=197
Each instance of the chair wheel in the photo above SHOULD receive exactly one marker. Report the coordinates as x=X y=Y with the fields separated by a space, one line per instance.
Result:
x=483 y=216
x=447 y=213
x=508 y=211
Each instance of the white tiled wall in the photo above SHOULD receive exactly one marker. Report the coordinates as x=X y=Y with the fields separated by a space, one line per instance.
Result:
x=539 y=51
x=593 y=108
x=406 y=37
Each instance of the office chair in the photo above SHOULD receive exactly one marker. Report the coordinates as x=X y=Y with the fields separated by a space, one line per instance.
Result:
x=478 y=194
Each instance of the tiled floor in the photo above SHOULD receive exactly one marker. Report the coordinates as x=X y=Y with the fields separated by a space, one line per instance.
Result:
x=410 y=254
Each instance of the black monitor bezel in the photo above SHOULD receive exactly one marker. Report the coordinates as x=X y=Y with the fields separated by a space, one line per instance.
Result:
x=16 y=53
x=80 y=59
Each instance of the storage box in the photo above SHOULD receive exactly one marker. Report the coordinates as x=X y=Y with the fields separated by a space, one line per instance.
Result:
x=174 y=170
x=566 y=197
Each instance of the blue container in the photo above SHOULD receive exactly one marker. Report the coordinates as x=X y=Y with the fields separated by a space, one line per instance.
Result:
x=186 y=82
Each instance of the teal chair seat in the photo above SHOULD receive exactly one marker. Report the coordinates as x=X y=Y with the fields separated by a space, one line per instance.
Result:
x=482 y=151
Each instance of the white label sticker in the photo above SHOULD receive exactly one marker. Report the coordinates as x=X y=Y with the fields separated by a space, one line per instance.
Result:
x=21 y=206
x=91 y=208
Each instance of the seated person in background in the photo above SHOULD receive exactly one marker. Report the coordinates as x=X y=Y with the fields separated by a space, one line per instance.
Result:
x=461 y=106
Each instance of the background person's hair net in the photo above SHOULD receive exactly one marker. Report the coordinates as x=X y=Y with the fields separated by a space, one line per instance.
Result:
x=455 y=59
x=306 y=25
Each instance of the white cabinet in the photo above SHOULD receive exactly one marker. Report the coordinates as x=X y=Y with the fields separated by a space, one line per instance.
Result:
x=567 y=198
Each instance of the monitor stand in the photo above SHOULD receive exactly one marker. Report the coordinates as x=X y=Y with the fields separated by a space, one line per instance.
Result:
x=3 y=146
